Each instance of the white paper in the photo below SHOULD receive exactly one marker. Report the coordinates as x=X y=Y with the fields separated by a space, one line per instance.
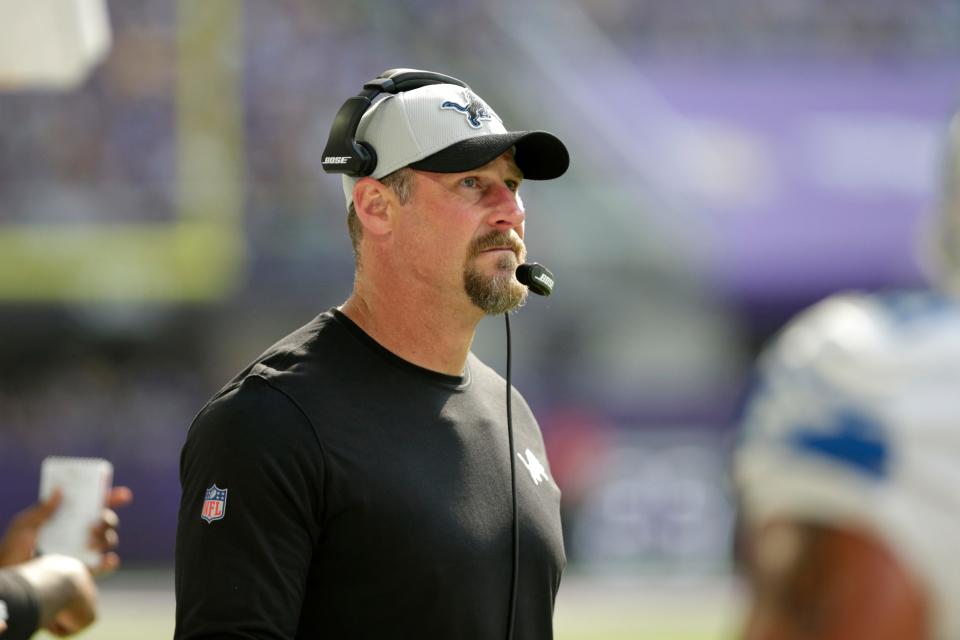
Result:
x=84 y=483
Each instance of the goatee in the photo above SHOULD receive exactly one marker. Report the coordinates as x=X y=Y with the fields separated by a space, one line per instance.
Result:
x=500 y=292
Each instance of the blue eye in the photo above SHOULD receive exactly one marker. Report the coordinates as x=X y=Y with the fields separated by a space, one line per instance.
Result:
x=470 y=183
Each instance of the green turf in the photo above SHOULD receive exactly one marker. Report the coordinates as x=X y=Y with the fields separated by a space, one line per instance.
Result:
x=139 y=605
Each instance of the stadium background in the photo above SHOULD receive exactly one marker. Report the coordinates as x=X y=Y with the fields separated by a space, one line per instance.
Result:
x=733 y=162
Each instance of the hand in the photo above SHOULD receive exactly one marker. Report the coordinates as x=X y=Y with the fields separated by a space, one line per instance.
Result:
x=80 y=611
x=19 y=544
x=64 y=590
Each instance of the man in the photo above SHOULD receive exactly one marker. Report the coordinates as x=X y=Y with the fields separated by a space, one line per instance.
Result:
x=52 y=592
x=849 y=463
x=354 y=481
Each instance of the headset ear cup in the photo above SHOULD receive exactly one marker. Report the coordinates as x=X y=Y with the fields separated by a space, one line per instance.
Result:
x=365 y=157
x=343 y=153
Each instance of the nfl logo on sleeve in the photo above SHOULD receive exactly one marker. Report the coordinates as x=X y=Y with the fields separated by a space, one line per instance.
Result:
x=214 y=504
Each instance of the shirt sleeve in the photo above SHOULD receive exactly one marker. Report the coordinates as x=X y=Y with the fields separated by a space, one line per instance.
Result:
x=251 y=474
x=19 y=607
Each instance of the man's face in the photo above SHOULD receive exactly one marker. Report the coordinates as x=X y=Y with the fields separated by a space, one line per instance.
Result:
x=465 y=232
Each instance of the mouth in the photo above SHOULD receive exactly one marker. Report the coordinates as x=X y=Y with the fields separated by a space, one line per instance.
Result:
x=503 y=255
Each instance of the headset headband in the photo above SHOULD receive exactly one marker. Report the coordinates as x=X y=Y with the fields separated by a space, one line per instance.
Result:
x=344 y=153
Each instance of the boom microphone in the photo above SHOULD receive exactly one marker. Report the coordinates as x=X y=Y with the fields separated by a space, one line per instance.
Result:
x=537 y=278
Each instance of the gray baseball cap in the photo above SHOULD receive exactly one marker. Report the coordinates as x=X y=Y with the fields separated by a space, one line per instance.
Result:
x=447 y=129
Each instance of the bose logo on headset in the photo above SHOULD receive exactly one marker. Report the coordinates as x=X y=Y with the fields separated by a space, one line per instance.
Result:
x=337 y=159
x=544 y=280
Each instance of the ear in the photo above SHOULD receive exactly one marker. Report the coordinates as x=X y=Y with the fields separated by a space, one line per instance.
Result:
x=374 y=203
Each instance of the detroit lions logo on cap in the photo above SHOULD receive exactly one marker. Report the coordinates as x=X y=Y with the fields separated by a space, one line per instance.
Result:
x=476 y=110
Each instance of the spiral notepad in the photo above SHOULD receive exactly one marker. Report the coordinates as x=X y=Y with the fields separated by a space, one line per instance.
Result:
x=84 y=483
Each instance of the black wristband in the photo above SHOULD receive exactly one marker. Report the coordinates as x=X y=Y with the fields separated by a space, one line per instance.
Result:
x=19 y=606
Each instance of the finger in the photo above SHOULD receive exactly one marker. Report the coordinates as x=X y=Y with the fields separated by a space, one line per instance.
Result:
x=66 y=623
x=108 y=520
x=39 y=513
x=103 y=539
x=72 y=620
x=119 y=497
x=107 y=565
x=103 y=534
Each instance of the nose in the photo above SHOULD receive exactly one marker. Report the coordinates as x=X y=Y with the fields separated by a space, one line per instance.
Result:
x=506 y=210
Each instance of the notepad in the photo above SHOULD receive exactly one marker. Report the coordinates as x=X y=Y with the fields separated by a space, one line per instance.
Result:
x=85 y=483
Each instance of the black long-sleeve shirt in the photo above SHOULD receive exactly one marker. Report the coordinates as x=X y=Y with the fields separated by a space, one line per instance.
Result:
x=334 y=490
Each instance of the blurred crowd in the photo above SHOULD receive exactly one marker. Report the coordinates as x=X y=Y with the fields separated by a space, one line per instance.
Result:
x=817 y=28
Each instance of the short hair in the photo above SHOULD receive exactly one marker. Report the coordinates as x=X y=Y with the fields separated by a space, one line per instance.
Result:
x=401 y=183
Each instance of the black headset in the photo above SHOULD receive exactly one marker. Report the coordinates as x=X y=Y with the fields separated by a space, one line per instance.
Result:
x=344 y=153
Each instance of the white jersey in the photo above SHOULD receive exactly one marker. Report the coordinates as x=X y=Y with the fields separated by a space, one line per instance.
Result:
x=855 y=420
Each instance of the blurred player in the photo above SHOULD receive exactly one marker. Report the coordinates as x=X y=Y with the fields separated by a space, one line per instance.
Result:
x=52 y=592
x=848 y=466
